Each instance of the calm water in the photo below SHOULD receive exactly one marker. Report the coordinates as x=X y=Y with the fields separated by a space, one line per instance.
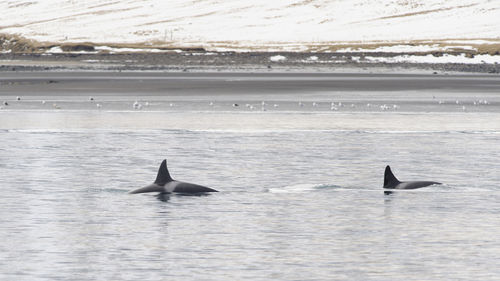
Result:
x=300 y=189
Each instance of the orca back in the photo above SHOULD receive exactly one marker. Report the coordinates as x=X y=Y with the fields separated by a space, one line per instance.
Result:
x=189 y=188
x=163 y=177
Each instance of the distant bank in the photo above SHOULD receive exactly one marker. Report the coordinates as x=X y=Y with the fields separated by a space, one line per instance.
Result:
x=203 y=61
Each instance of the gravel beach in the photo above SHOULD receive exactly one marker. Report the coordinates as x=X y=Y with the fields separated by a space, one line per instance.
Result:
x=202 y=61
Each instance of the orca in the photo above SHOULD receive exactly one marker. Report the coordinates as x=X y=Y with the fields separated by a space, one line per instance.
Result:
x=391 y=182
x=165 y=184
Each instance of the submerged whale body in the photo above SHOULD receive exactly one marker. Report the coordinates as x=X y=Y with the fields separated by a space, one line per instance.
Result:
x=391 y=182
x=165 y=184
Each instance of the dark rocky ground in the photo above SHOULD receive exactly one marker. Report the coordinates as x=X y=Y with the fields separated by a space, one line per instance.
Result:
x=227 y=61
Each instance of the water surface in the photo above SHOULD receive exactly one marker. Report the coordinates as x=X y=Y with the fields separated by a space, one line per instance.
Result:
x=300 y=187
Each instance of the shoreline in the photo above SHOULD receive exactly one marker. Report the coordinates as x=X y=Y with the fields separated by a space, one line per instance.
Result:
x=260 y=62
x=159 y=83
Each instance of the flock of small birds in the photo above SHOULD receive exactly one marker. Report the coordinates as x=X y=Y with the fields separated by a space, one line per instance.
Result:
x=464 y=107
x=334 y=106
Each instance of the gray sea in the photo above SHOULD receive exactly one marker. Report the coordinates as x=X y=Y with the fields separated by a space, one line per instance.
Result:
x=299 y=179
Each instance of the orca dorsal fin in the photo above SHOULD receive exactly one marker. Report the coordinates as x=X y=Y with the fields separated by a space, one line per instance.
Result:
x=389 y=178
x=163 y=176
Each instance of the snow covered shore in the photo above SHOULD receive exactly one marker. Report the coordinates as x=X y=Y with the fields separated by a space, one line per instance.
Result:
x=322 y=32
x=261 y=25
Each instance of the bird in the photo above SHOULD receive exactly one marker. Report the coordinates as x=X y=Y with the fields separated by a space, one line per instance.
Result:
x=384 y=107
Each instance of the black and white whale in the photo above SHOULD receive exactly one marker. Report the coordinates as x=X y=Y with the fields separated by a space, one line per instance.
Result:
x=165 y=184
x=391 y=182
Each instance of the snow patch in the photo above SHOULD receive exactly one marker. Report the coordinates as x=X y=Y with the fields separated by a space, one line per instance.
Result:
x=126 y=50
x=446 y=58
x=277 y=58
x=55 y=50
x=407 y=49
